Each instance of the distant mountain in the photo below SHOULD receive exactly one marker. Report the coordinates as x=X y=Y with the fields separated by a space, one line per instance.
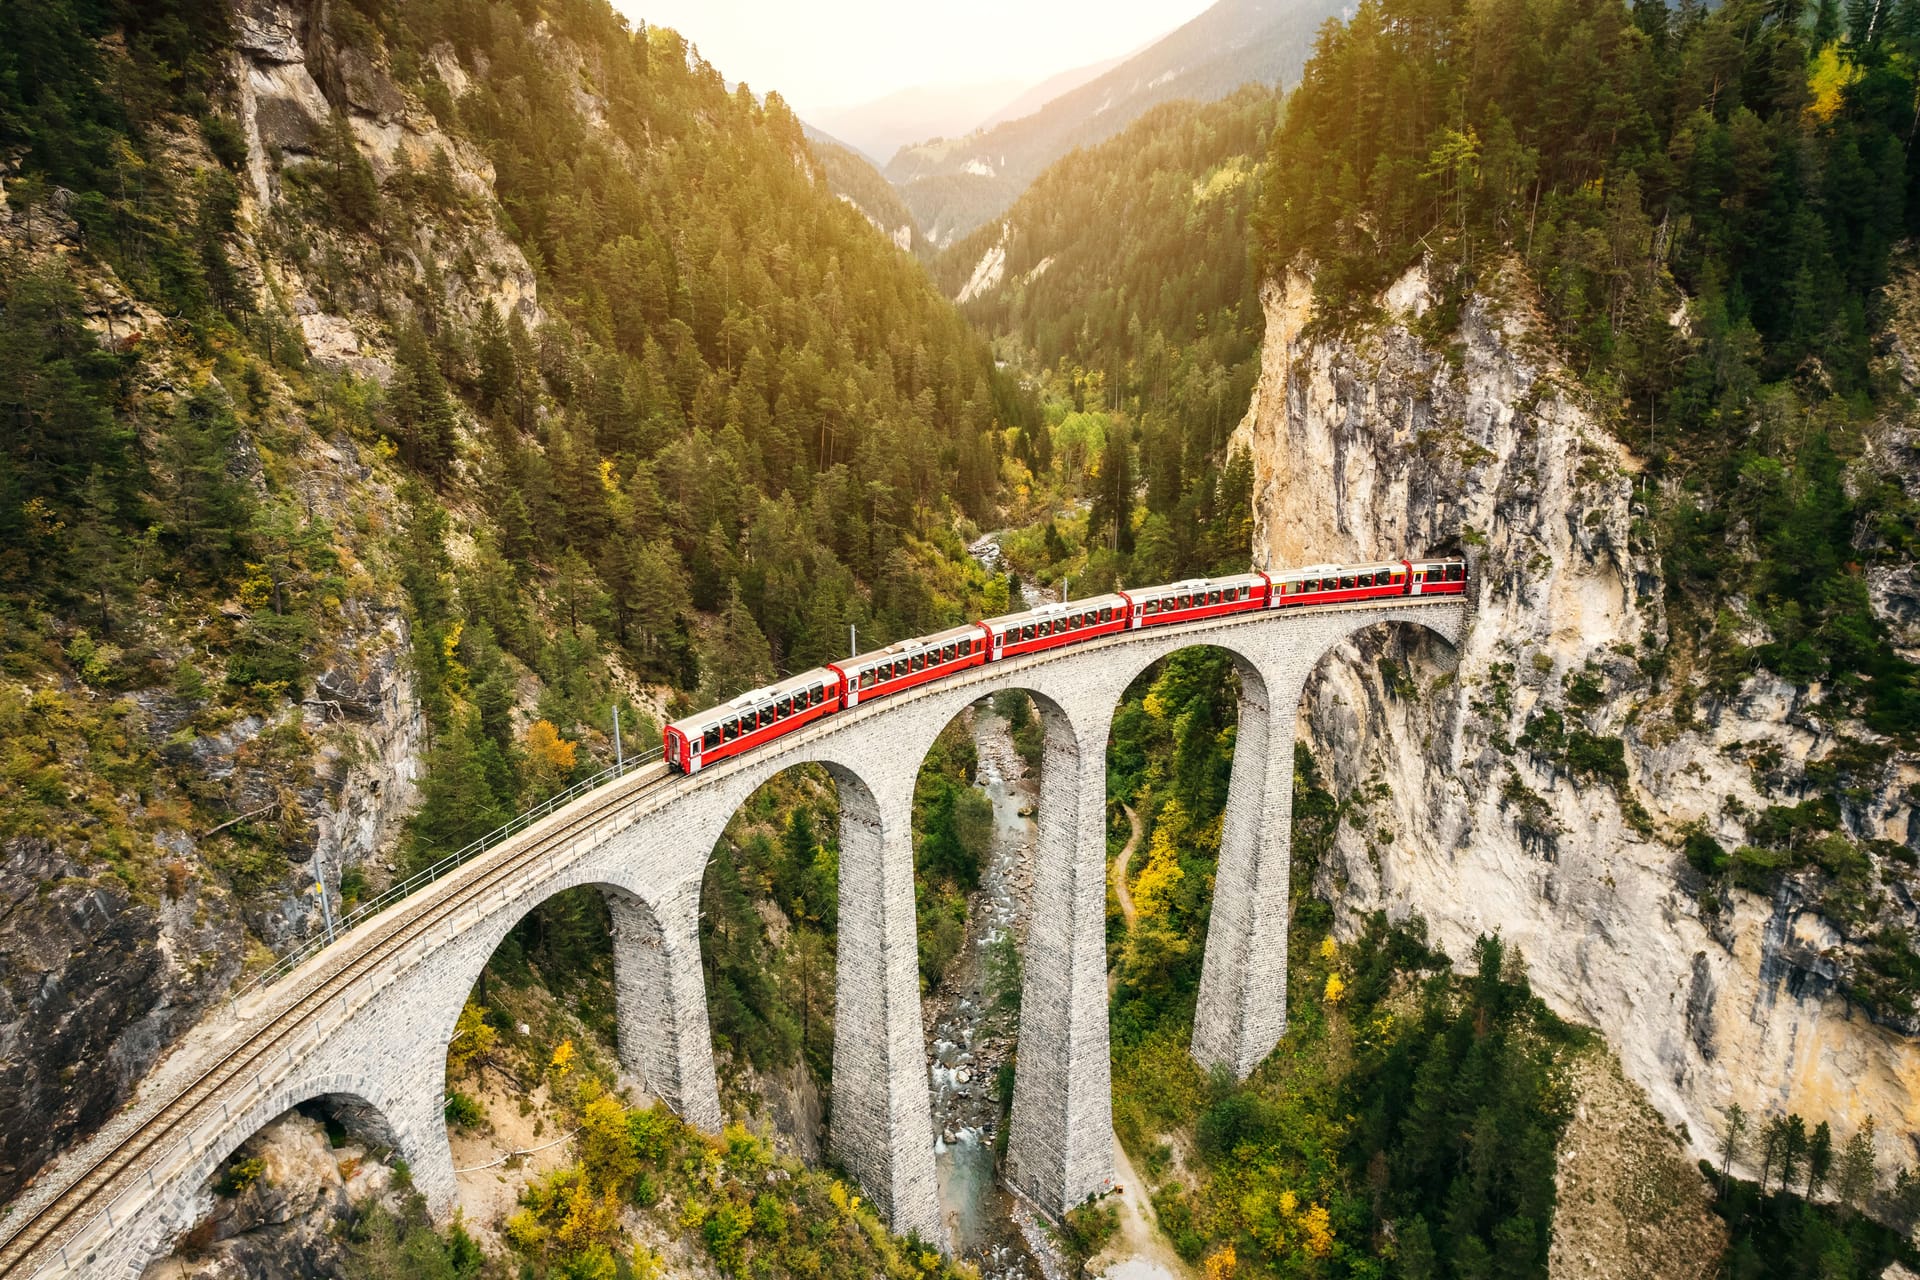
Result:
x=883 y=126
x=1046 y=91
x=854 y=178
x=955 y=184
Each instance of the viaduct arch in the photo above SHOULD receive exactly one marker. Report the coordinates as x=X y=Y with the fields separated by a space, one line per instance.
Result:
x=371 y=1016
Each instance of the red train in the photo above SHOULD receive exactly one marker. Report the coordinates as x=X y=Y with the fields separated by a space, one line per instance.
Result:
x=765 y=714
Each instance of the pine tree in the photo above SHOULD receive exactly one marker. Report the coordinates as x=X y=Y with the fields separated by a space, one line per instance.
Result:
x=735 y=656
x=207 y=509
x=425 y=421
x=1854 y=1179
x=98 y=548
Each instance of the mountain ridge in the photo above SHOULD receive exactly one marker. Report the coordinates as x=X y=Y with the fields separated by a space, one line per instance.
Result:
x=954 y=185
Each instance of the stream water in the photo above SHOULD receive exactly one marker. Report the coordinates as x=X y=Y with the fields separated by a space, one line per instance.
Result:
x=971 y=1038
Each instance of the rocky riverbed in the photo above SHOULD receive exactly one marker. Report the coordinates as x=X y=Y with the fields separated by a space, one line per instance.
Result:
x=972 y=1018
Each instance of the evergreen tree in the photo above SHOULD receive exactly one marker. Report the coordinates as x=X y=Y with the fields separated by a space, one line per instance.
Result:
x=207 y=509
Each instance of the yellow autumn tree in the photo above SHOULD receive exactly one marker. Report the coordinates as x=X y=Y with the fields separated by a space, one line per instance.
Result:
x=1162 y=874
x=1336 y=989
x=1828 y=79
x=1316 y=1231
x=1220 y=1263
x=562 y=1061
x=549 y=756
x=606 y=1145
x=472 y=1038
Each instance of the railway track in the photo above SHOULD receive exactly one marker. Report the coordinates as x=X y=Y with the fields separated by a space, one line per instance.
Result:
x=41 y=1231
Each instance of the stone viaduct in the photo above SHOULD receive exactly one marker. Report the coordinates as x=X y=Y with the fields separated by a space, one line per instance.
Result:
x=366 y=1023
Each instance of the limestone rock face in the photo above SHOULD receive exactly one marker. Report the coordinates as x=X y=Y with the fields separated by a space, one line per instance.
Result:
x=1407 y=436
x=92 y=985
x=298 y=70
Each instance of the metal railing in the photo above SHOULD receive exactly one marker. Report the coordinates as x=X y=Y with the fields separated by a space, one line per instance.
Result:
x=452 y=862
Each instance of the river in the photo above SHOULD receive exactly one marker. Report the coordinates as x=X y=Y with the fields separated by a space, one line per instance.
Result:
x=973 y=1026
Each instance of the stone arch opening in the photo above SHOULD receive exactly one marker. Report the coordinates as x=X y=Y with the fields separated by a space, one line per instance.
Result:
x=1186 y=752
x=769 y=914
x=975 y=838
x=1058 y=1129
x=271 y=1196
x=1240 y=1004
x=590 y=978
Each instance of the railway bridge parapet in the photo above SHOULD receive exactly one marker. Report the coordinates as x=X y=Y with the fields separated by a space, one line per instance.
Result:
x=370 y=1018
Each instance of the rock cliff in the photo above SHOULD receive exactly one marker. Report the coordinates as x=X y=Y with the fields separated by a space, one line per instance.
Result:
x=1544 y=780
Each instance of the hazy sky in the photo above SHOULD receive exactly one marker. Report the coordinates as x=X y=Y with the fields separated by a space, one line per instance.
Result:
x=834 y=53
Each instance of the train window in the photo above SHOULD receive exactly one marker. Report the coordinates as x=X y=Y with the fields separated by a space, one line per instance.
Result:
x=1106 y=613
x=966 y=648
x=786 y=706
x=1185 y=602
x=1213 y=597
x=1363 y=580
x=919 y=662
x=1456 y=572
x=1346 y=582
x=711 y=738
x=819 y=694
x=866 y=678
x=730 y=730
x=1153 y=606
x=1026 y=632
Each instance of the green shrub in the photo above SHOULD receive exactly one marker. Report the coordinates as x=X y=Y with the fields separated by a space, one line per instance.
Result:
x=239 y=1175
x=463 y=1111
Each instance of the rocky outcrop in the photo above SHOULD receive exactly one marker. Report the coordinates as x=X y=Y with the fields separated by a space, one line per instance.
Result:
x=1543 y=786
x=301 y=76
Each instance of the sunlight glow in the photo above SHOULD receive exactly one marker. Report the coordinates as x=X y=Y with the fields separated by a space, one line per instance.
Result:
x=836 y=53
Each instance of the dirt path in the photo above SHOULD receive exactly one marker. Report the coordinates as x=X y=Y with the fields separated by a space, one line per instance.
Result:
x=1120 y=889
x=1139 y=1252
x=1120 y=867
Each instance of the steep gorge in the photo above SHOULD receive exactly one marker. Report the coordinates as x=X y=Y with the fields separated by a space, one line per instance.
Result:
x=1479 y=789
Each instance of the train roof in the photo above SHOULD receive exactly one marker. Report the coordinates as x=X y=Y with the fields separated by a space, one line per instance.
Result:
x=1058 y=608
x=754 y=698
x=1322 y=570
x=1196 y=584
x=909 y=647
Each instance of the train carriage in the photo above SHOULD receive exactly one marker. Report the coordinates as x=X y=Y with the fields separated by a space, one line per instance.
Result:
x=1339 y=583
x=1199 y=598
x=1437 y=577
x=1053 y=625
x=751 y=719
x=909 y=663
